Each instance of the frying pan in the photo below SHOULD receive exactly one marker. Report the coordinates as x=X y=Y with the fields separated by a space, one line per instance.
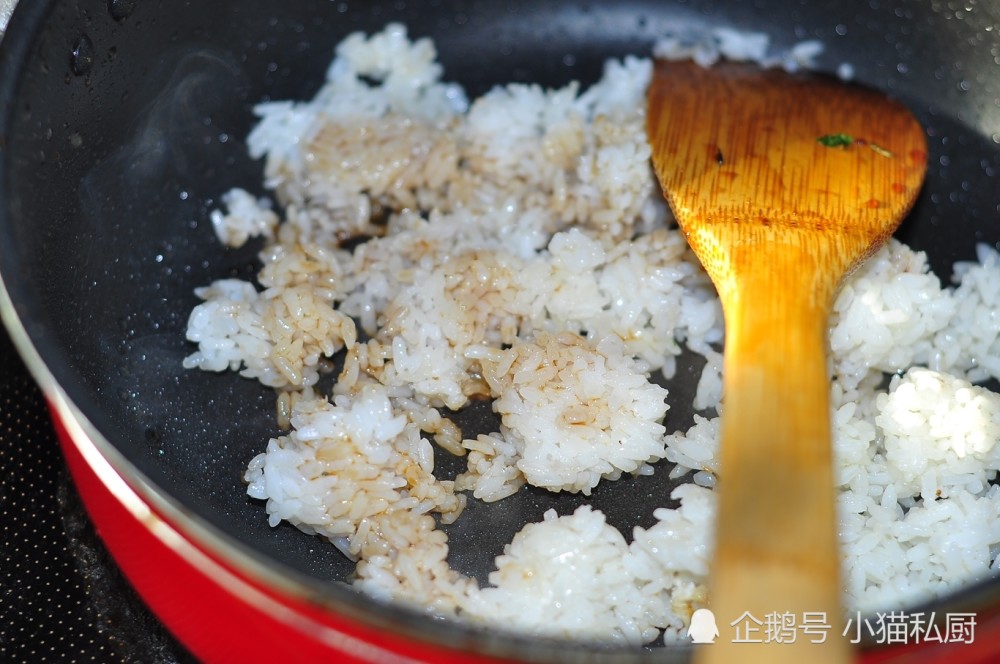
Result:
x=122 y=122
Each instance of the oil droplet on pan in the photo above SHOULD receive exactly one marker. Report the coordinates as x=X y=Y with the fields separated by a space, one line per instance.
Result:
x=82 y=56
x=121 y=9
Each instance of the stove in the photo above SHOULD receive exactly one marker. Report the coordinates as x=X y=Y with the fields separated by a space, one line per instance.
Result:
x=62 y=598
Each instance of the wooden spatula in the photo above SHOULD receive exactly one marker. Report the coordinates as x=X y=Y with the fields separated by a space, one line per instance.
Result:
x=782 y=184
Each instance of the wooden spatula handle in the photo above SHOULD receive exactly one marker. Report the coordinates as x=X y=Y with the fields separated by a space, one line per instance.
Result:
x=776 y=558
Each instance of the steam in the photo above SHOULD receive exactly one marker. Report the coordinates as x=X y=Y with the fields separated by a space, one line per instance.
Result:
x=174 y=138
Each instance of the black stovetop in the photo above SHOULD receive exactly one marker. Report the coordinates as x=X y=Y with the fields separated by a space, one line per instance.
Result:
x=62 y=598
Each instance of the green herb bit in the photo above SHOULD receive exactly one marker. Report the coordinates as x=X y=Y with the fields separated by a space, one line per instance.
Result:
x=836 y=140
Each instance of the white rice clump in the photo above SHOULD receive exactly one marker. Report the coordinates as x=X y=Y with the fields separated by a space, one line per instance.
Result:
x=517 y=248
x=576 y=412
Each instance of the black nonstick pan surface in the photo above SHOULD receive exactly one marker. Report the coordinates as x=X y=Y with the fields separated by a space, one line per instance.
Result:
x=111 y=158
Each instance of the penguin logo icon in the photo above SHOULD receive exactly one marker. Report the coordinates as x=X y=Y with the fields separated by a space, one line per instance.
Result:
x=703 y=628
